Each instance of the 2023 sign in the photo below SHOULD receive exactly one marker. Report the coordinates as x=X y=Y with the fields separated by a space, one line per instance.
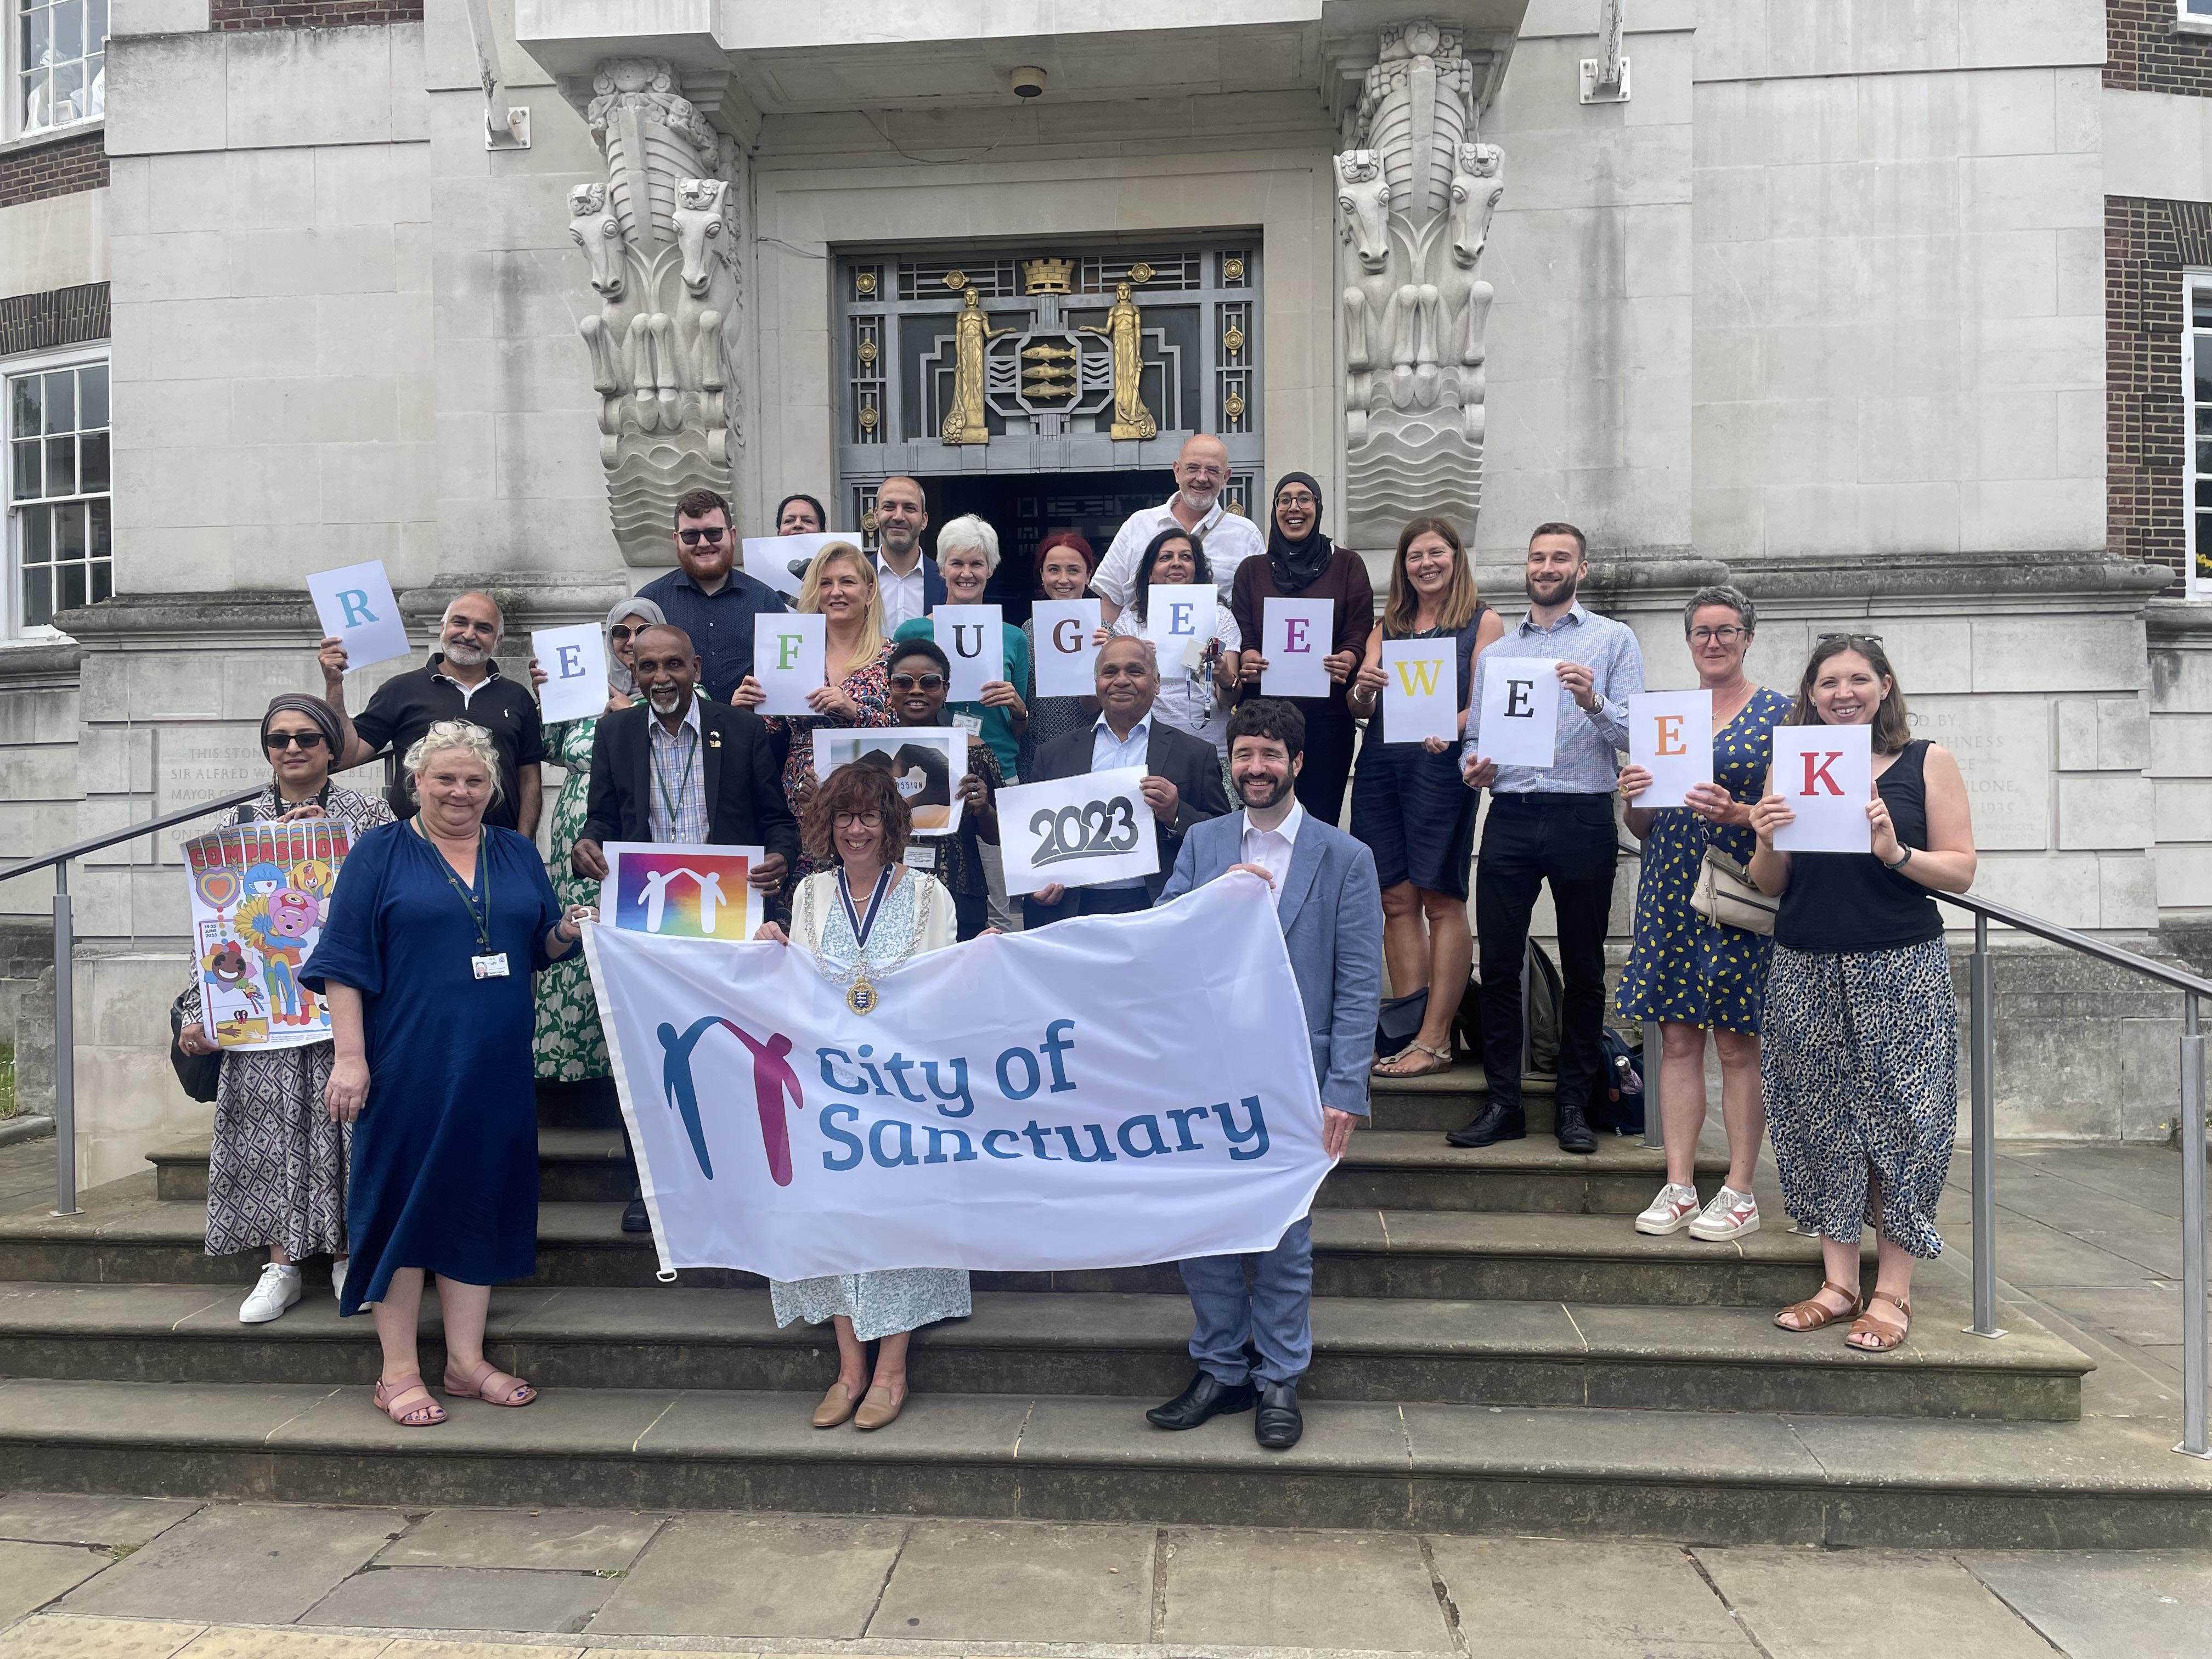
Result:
x=1098 y=829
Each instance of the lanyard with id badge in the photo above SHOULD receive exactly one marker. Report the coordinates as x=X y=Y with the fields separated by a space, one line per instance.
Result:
x=487 y=963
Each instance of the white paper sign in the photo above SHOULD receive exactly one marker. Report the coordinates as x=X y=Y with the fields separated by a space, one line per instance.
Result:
x=1519 y=718
x=1066 y=661
x=975 y=637
x=1670 y=735
x=356 y=603
x=1827 y=774
x=575 y=664
x=928 y=762
x=769 y=558
x=1078 y=831
x=1179 y=622
x=682 y=892
x=790 y=656
x=1420 y=689
x=1294 y=639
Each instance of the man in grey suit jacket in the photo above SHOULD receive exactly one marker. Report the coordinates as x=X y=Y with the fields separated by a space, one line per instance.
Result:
x=1330 y=905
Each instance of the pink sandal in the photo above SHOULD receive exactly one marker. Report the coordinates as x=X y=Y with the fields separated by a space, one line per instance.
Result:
x=391 y=1398
x=479 y=1387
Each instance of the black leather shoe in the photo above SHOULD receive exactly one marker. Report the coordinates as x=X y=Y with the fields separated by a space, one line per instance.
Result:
x=634 y=1219
x=1279 y=1424
x=1207 y=1396
x=1492 y=1124
x=1573 y=1130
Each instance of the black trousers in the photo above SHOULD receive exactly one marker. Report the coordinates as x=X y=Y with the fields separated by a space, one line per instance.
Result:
x=971 y=914
x=1528 y=840
x=1086 y=902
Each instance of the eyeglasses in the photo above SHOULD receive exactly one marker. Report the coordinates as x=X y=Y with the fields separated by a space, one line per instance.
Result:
x=1299 y=500
x=1727 y=635
x=1858 y=639
x=865 y=820
x=913 y=682
x=712 y=536
x=282 y=740
x=623 y=630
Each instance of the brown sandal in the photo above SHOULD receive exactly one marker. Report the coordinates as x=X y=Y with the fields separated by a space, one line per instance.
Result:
x=391 y=1398
x=1882 y=1336
x=1812 y=1313
x=1439 y=1060
x=479 y=1387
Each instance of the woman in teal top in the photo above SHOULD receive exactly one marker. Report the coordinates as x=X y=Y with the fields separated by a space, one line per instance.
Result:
x=967 y=554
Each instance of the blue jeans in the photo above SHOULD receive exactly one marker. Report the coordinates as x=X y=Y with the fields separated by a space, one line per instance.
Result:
x=1274 y=1312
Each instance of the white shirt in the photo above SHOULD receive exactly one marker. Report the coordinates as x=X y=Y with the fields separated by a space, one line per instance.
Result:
x=1270 y=848
x=1190 y=699
x=901 y=595
x=1229 y=539
x=1109 y=752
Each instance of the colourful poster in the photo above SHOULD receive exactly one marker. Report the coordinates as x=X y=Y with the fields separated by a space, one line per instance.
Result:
x=682 y=892
x=260 y=892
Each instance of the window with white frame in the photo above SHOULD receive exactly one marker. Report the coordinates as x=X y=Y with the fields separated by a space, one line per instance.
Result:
x=58 y=63
x=2193 y=16
x=60 y=548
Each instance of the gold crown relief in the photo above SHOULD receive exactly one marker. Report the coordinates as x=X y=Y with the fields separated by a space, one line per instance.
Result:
x=1047 y=276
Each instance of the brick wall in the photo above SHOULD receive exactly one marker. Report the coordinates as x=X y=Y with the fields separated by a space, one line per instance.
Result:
x=62 y=167
x=311 y=13
x=59 y=317
x=2147 y=245
x=2145 y=54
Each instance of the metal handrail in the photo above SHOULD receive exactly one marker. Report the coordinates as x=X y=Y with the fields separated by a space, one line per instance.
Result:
x=2178 y=979
x=66 y=972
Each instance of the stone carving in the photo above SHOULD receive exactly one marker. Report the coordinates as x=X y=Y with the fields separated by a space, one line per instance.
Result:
x=660 y=238
x=1415 y=193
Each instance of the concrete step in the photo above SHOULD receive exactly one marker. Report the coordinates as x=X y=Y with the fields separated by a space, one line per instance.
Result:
x=1516 y=1353
x=127 y=1235
x=1721 y=1478
x=1385 y=1169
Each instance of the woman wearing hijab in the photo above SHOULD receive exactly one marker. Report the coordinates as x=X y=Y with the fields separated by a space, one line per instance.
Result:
x=570 y=1045
x=1302 y=563
x=277 y=1167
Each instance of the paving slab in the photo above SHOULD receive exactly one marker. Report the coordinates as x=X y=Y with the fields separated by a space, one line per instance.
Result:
x=430 y=1648
x=574 y=1541
x=2105 y=1605
x=64 y=1518
x=31 y=1575
x=736 y=1576
x=287 y=1641
x=1317 y=1589
x=262 y=1563
x=1868 y=1604
x=61 y=1638
x=1545 y=1599
x=985 y=1581
x=463 y=1598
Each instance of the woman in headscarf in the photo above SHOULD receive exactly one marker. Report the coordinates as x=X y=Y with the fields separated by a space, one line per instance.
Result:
x=277 y=1167
x=1302 y=563
x=570 y=1045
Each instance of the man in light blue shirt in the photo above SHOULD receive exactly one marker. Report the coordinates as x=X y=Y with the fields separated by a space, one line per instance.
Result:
x=1552 y=824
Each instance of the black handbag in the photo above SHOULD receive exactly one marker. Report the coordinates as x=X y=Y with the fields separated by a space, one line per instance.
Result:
x=200 y=1074
x=1400 y=1022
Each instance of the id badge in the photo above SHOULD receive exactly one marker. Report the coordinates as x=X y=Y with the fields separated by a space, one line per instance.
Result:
x=971 y=724
x=491 y=967
x=919 y=857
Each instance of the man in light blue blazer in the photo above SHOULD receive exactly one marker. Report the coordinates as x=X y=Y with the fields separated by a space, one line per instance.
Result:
x=1330 y=905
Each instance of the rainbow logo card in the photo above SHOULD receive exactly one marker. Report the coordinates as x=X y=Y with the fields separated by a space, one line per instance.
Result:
x=682 y=892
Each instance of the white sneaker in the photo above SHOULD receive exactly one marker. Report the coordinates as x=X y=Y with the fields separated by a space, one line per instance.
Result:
x=1730 y=1215
x=338 y=1264
x=1674 y=1209
x=278 y=1288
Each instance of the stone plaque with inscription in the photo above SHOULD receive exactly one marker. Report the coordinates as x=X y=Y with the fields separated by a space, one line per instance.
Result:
x=194 y=764
x=2003 y=749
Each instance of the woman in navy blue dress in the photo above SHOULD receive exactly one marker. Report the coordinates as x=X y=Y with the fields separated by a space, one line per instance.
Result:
x=434 y=930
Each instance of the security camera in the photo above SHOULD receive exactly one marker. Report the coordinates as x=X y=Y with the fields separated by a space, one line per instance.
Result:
x=1028 y=82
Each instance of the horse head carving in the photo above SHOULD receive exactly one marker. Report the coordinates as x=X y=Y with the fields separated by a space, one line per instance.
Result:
x=704 y=233
x=1363 y=201
x=599 y=233
x=1477 y=184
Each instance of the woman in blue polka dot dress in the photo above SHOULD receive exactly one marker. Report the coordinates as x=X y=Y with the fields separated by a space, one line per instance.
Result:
x=1691 y=975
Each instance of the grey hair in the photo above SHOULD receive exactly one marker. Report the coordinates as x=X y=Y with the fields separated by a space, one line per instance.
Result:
x=455 y=734
x=1734 y=597
x=966 y=531
x=498 y=615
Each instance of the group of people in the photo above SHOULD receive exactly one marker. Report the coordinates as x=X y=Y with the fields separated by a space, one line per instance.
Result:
x=449 y=951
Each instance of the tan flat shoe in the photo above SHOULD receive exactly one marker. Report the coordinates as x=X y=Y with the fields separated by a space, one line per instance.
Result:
x=836 y=1408
x=879 y=1410
x=1812 y=1313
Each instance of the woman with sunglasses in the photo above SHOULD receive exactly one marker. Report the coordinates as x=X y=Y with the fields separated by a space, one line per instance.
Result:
x=569 y=1046
x=277 y=1169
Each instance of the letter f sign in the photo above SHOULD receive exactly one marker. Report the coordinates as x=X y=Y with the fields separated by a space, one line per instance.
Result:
x=1816 y=773
x=787 y=650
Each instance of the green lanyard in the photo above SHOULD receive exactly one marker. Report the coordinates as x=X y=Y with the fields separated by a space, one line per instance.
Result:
x=683 y=783
x=479 y=905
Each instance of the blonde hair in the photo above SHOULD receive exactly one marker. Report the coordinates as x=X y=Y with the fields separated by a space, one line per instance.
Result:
x=454 y=734
x=871 y=620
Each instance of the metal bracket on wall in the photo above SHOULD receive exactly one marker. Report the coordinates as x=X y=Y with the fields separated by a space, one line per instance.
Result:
x=509 y=130
x=1605 y=77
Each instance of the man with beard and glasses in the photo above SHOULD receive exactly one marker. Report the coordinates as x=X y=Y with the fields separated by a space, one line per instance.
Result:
x=674 y=770
x=1553 y=824
x=708 y=597
x=460 y=683
x=1330 y=907
x=1201 y=469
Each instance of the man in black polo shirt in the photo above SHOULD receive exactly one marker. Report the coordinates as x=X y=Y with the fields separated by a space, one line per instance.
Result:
x=708 y=599
x=460 y=683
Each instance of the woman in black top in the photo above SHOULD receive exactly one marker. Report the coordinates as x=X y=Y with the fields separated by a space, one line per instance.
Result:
x=1861 y=1055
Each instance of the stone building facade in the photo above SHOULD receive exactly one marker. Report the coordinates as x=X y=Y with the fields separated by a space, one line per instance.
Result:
x=1884 y=312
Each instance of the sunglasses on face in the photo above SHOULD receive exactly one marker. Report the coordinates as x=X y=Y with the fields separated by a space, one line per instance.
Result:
x=623 y=630
x=917 y=682
x=712 y=536
x=280 y=741
x=1857 y=639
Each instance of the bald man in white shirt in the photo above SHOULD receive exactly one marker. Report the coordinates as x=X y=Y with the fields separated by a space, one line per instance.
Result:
x=1202 y=469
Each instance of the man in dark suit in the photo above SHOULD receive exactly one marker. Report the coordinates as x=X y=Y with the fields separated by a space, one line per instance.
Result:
x=906 y=579
x=1182 y=784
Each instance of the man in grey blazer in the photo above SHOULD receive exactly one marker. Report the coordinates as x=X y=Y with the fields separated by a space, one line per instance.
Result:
x=1330 y=905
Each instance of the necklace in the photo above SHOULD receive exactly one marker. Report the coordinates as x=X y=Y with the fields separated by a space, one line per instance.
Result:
x=861 y=994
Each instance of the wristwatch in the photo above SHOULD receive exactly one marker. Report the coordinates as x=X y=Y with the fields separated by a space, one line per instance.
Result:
x=1901 y=863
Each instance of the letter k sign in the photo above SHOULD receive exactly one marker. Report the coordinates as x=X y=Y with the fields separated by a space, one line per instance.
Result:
x=1816 y=773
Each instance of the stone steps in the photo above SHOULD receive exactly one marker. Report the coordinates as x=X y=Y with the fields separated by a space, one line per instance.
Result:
x=1720 y=1477
x=1511 y=1353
